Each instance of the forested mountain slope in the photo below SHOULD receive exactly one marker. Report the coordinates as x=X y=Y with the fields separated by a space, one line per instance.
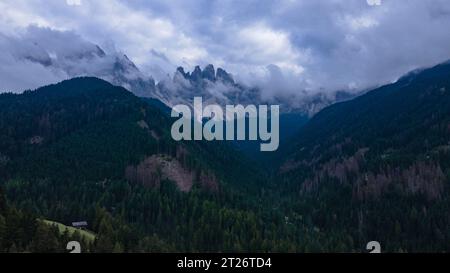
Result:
x=378 y=167
x=374 y=168
x=87 y=150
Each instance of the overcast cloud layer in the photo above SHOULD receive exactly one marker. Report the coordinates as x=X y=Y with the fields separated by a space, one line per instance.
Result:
x=283 y=46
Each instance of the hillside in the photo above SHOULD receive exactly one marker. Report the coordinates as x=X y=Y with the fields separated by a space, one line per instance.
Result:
x=84 y=234
x=374 y=168
x=378 y=167
x=85 y=149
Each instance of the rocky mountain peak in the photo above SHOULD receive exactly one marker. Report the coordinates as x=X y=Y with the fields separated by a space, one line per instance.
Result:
x=209 y=73
x=224 y=76
x=196 y=74
x=183 y=73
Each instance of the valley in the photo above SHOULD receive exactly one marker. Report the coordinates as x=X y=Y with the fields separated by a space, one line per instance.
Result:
x=372 y=168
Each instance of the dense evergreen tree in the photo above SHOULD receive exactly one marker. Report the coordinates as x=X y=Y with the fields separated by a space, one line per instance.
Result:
x=376 y=168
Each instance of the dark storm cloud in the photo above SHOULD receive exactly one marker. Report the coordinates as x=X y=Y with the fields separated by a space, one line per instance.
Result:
x=285 y=47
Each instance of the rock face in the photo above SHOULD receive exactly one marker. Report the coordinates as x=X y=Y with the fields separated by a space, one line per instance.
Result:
x=209 y=73
x=215 y=87
x=219 y=87
x=185 y=75
x=223 y=76
x=196 y=76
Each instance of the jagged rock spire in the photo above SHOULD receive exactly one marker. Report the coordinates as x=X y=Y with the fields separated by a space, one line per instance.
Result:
x=209 y=73
x=223 y=76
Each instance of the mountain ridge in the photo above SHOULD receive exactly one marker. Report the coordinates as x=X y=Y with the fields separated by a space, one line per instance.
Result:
x=377 y=167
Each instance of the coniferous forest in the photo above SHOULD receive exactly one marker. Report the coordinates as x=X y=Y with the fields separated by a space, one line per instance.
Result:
x=373 y=168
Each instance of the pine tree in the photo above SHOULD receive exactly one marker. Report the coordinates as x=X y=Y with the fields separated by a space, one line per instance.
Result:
x=3 y=206
x=106 y=238
x=118 y=248
x=2 y=232
x=45 y=240
x=13 y=249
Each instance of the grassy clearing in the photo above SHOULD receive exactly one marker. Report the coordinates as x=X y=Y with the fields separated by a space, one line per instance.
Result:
x=87 y=235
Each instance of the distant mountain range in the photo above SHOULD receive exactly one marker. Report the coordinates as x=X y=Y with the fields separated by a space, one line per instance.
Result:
x=218 y=86
x=215 y=86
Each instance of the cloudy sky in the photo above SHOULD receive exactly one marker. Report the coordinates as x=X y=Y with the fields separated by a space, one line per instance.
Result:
x=292 y=45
